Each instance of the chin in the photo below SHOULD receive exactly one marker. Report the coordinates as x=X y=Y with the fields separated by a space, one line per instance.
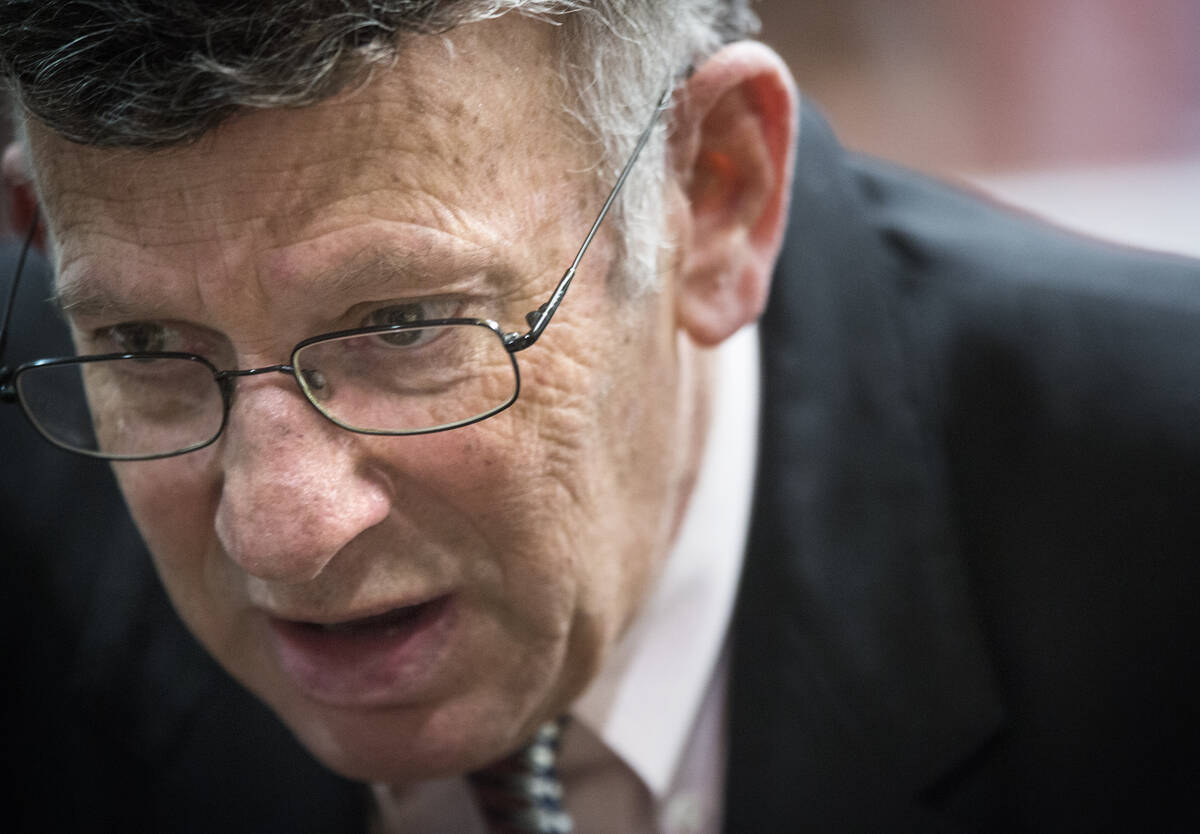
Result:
x=400 y=746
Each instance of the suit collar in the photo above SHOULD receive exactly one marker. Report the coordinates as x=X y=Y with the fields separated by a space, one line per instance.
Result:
x=860 y=676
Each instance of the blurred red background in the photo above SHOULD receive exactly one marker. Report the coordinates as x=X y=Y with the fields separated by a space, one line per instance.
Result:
x=1087 y=111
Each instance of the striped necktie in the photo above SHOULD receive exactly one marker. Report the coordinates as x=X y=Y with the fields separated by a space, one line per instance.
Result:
x=522 y=794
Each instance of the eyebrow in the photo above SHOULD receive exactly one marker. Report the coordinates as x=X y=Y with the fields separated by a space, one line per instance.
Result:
x=86 y=298
x=369 y=268
x=374 y=266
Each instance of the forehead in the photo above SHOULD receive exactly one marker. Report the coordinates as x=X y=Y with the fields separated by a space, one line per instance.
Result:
x=462 y=126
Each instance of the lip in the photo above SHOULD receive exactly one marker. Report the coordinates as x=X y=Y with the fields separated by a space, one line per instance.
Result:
x=383 y=658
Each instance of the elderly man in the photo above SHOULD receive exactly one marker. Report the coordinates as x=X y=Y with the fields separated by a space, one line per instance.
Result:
x=416 y=334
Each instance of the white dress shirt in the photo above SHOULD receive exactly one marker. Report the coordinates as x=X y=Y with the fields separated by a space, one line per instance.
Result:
x=645 y=750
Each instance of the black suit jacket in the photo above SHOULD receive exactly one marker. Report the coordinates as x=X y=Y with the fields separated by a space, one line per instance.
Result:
x=969 y=596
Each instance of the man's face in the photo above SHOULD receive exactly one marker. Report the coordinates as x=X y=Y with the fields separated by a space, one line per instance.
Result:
x=410 y=606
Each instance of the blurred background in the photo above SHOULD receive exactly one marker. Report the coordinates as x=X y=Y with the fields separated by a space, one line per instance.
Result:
x=1084 y=111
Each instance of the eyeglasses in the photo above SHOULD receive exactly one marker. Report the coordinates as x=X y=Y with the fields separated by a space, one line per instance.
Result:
x=415 y=377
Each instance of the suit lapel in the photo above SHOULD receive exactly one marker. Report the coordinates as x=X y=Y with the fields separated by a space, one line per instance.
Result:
x=859 y=674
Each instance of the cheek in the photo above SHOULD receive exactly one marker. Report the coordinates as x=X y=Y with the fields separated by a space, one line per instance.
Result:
x=594 y=413
x=536 y=484
x=492 y=480
x=172 y=501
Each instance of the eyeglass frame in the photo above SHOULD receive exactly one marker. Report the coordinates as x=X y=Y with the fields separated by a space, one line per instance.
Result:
x=514 y=342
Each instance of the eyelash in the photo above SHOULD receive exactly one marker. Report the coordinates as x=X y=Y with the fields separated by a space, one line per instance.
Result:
x=442 y=308
x=157 y=336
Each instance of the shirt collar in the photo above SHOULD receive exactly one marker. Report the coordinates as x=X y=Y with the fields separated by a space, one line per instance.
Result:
x=645 y=700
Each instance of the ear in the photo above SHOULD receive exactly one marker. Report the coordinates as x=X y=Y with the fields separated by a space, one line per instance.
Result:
x=20 y=194
x=732 y=154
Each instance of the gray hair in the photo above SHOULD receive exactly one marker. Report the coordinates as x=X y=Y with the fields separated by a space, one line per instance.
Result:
x=156 y=73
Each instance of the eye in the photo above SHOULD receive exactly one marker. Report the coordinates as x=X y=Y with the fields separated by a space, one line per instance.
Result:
x=409 y=313
x=136 y=337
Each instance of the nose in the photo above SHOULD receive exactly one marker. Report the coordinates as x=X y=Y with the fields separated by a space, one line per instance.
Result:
x=296 y=488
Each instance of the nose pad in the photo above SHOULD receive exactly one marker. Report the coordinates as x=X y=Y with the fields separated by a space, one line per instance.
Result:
x=296 y=488
x=316 y=384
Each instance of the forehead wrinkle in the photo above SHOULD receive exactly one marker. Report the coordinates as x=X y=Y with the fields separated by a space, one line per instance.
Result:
x=404 y=127
x=225 y=181
x=379 y=265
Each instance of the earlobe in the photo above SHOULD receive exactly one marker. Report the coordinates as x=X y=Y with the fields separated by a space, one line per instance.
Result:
x=732 y=149
x=20 y=194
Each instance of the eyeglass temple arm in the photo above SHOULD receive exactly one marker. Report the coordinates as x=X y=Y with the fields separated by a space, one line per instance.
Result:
x=12 y=296
x=539 y=318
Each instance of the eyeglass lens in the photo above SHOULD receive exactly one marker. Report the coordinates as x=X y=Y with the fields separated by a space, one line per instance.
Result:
x=124 y=408
x=401 y=381
x=408 y=381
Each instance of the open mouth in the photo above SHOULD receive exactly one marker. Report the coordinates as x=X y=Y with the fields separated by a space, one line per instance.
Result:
x=385 y=658
x=380 y=624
